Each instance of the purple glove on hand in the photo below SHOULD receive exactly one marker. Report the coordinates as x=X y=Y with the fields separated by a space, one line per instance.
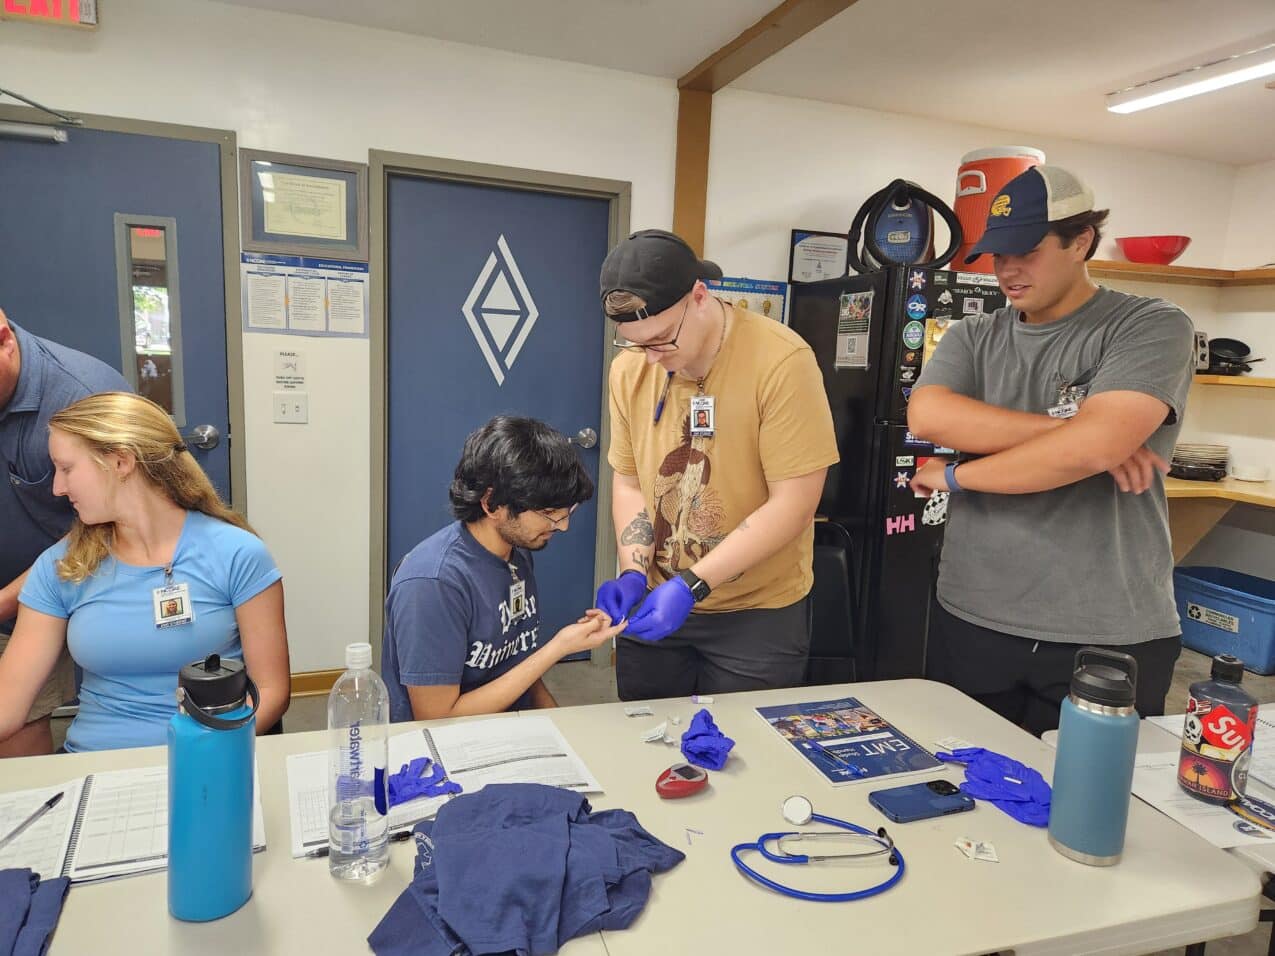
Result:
x=617 y=597
x=662 y=612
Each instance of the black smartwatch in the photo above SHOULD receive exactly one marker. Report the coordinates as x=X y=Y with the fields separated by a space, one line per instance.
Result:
x=699 y=587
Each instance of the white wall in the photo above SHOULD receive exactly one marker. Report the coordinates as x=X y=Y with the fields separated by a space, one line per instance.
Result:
x=1250 y=242
x=302 y=85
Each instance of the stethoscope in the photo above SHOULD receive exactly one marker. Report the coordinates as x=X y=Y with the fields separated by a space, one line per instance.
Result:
x=799 y=811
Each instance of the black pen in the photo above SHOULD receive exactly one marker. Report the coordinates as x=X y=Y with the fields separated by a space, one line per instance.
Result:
x=659 y=406
x=398 y=836
x=44 y=808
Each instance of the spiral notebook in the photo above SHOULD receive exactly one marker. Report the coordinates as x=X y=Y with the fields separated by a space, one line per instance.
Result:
x=107 y=825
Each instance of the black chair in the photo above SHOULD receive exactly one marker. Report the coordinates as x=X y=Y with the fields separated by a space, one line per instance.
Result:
x=833 y=609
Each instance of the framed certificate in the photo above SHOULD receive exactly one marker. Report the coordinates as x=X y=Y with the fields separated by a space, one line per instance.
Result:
x=302 y=206
x=814 y=255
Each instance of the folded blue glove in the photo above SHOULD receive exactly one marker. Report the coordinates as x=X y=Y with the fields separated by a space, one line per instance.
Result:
x=1006 y=783
x=704 y=745
x=662 y=612
x=617 y=597
x=420 y=778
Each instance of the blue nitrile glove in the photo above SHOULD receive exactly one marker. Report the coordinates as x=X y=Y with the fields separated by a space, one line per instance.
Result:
x=413 y=781
x=704 y=745
x=617 y=596
x=1004 y=782
x=662 y=612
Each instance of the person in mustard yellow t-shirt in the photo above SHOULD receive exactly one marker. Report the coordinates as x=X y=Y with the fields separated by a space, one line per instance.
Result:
x=721 y=436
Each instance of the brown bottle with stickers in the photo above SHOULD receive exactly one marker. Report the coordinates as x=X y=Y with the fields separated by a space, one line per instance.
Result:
x=1217 y=738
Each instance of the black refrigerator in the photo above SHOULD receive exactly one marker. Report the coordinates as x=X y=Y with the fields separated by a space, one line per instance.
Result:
x=870 y=334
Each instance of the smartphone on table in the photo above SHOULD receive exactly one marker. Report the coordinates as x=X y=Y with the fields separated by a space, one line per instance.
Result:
x=920 y=801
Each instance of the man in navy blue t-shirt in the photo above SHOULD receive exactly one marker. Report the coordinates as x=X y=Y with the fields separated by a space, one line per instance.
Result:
x=462 y=619
x=37 y=379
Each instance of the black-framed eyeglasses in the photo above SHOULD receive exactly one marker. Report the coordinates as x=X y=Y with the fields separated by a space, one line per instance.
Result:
x=559 y=524
x=620 y=342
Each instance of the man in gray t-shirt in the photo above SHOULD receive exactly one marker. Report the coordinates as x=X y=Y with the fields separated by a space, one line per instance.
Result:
x=1058 y=535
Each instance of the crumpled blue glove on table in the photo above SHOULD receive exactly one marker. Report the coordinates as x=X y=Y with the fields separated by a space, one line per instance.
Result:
x=663 y=612
x=420 y=778
x=1006 y=783
x=704 y=744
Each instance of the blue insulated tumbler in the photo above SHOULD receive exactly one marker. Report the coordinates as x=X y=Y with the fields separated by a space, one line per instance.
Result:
x=1093 y=772
x=210 y=760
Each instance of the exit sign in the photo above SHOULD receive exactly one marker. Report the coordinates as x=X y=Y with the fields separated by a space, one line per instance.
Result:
x=70 y=13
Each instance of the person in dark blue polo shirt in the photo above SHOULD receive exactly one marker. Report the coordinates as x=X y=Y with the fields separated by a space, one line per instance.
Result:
x=462 y=619
x=37 y=379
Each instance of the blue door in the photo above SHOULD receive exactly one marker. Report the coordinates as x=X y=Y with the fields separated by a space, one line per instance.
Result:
x=59 y=277
x=492 y=309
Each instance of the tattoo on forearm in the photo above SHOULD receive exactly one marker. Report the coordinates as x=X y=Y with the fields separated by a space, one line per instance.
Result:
x=639 y=531
x=641 y=559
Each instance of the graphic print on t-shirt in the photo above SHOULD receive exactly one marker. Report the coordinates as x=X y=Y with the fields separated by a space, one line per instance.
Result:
x=689 y=515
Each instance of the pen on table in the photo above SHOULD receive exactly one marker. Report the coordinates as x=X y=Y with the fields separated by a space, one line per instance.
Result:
x=659 y=406
x=398 y=836
x=835 y=758
x=44 y=808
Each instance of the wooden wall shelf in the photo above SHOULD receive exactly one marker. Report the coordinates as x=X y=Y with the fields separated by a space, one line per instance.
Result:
x=1180 y=275
x=1236 y=381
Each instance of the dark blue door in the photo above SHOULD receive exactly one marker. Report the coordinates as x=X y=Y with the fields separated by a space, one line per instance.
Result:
x=493 y=309
x=58 y=275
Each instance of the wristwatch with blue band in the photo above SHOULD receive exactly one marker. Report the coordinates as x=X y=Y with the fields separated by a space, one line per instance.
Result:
x=949 y=474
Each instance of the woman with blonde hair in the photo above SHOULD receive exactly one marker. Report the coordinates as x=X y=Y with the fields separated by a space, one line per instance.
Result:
x=155 y=573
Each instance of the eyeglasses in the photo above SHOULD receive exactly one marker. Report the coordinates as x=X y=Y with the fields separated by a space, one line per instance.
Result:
x=559 y=524
x=620 y=342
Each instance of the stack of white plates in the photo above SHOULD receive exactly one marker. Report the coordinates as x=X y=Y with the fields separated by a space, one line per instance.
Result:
x=1199 y=462
x=1201 y=455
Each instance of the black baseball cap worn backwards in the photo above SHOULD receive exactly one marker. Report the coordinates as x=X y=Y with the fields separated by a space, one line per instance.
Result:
x=656 y=266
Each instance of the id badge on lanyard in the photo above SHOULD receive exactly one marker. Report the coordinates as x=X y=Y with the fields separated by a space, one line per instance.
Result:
x=702 y=415
x=172 y=602
x=517 y=596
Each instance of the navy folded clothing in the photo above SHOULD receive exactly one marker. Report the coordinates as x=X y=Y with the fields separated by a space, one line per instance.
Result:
x=29 y=911
x=521 y=868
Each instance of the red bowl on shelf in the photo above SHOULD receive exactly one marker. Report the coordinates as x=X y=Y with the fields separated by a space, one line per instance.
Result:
x=1157 y=250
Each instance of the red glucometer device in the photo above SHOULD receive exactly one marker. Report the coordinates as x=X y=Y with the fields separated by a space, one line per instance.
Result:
x=681 y=780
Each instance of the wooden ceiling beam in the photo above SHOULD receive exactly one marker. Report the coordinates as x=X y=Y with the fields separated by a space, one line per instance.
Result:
x=788 y=22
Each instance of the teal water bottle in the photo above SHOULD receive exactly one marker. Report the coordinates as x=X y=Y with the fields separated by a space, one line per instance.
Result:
x=1093 y=772
x=211 y=741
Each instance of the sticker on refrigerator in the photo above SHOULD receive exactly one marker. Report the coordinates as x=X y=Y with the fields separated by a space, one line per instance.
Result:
x=913 y=335
x=900 y=524
x=901 y=479
x=854 y=319
x=916 y=279
x=1206 y=615
x=971 y=305
x=916 y=306
x=935 y=329
x=984 y=279
x=910 y=439
x=907 y=392
x=904 y=461
x=935 y=512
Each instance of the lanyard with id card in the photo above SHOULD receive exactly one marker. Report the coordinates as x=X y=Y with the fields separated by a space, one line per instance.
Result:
x=172 y=602
x=702 y=413
x=517 y=595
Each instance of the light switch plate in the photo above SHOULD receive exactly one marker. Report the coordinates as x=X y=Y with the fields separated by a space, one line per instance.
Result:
x=292 y=408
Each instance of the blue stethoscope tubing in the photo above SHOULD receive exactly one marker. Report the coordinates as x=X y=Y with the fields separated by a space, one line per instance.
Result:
x=760 y=847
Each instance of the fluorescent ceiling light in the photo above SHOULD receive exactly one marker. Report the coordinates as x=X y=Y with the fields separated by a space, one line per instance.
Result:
x=1206 y=78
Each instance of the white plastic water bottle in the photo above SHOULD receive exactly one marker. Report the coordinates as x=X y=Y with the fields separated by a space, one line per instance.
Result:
x=358 y=728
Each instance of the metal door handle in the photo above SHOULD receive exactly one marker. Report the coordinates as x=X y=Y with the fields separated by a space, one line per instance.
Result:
x=204 y=436
x=585 y=438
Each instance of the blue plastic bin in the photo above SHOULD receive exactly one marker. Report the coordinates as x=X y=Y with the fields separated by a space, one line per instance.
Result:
x=1226 y=612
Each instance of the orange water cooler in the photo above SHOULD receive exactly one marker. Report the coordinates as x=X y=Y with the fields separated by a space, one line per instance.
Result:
x=982 y=174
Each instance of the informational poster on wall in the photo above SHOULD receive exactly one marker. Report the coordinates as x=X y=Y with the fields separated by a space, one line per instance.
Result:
x=296 y=295
x=756 y=295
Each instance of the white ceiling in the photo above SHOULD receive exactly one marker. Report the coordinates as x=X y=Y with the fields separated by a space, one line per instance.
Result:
x=1036 y=66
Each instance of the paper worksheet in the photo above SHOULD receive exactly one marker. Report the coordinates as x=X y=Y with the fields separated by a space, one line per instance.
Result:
x=42 y=846
x=1155 y=781
x=475 y=753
